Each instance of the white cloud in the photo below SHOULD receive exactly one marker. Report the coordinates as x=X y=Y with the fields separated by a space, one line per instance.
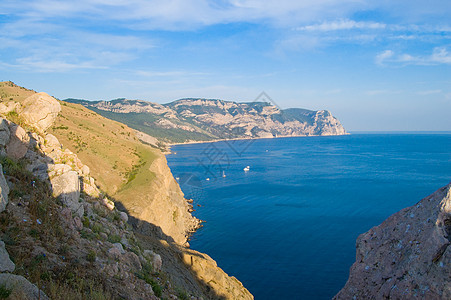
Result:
x=381 y=57
x=440 y=55
x=168 y=73
x=344 y=24
x=184 y=14
x=51 y=66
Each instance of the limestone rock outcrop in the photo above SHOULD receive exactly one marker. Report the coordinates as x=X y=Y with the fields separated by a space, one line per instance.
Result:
x=166 y=207
x=67 y=188
x=225 y=286
x=4 y=133
x=21 y=288
x=6 y=265
x=40 y=110
x=211 y=119
x=408 y=256
x=4 y=190
x=18 y=143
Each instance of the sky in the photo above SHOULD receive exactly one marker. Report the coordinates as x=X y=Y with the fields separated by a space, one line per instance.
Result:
x=377 y=65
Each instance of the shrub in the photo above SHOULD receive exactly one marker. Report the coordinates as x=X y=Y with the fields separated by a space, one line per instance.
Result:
x=97 y=228
x=181 y=294
x=91 y=256
x=4 y=292
x=114 y=238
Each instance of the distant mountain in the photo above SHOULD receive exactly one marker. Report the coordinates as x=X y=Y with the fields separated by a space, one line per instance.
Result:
x=194 y=119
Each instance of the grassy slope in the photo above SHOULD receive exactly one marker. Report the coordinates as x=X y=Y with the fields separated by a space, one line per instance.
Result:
x=11 y=92
x=108 y=147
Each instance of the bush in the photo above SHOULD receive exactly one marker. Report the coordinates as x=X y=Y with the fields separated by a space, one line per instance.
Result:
x=91 y=256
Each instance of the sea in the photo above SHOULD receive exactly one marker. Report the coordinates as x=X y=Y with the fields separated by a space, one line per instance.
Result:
x=287 y=227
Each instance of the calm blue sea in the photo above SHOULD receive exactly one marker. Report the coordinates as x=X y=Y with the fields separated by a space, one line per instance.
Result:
x=287 y=227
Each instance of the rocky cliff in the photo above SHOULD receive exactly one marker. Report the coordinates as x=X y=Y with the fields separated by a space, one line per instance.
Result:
x=207 y=119
x=408 y=256
x=66 y=236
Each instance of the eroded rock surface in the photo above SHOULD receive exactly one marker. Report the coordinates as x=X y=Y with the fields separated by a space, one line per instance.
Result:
x=40 y=110
x=408 y=256
x=67 y=188
x=4 y=190
x=21 y=287
x=18 y=143
x=208 y=119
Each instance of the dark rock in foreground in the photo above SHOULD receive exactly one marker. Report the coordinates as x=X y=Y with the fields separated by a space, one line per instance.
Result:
x=408 y=256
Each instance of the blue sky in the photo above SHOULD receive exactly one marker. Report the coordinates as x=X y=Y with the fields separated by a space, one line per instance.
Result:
x=376 y=65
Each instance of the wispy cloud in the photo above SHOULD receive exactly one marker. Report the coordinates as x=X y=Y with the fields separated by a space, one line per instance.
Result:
x=439 y=55
x=183 y=14
x=429 y=92
x=382 y=92
x=383 y=56
x=42 y=66
x=168 y=73
x=343 y=24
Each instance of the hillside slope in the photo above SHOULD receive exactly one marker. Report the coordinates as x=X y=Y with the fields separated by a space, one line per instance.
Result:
x=210 y=119
x=116 y=166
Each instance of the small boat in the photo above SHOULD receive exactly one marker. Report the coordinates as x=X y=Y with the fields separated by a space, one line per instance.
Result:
x=208 y=179
x=247 y=168
x=177 y=178
x=223 y=174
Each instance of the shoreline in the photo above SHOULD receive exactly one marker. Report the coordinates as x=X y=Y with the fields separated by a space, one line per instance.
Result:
x=169 y=145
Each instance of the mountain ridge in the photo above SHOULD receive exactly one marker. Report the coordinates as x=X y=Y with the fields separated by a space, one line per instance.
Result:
x=201 y=119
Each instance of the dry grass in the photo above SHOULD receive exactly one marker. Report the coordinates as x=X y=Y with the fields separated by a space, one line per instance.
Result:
x=32 y=222
x=116 y=158
x=12 y=92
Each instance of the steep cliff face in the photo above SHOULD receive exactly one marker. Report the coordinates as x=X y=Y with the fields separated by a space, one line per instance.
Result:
x=83 y=231
x=408 y=256
x=206 y=119
x=160 y=202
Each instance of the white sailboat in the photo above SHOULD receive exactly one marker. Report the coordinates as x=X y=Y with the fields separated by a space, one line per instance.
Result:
x=247 y=168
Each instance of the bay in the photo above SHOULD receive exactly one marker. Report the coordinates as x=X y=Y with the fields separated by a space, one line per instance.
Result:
x=287 y=227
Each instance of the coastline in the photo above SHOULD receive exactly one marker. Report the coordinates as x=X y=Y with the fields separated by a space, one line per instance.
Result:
x=169 y=145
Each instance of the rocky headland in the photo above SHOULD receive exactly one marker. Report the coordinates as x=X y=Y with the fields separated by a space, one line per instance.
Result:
x=189 y=120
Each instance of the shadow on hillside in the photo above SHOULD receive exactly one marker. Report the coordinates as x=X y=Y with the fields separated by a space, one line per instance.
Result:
x=152 y=237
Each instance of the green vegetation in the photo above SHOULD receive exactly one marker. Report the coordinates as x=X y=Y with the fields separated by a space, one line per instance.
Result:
x=4 y=292
x=114 y=238
x=145 y=122
x=146 y=275
x=182 y=295
x=91 y=257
